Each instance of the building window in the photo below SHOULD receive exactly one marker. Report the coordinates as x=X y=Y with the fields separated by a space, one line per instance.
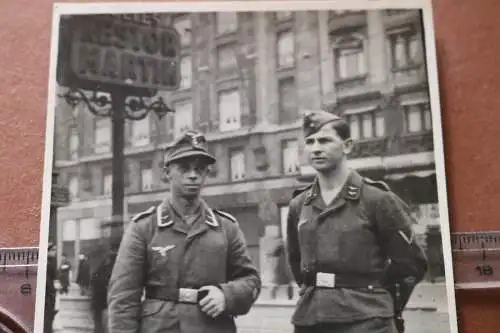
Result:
x=74 y=144
x=350 y=59
x=107 y=182
x=229 y=110
x=73 y=187
x=283 y=219
x=237 y=165
x=367 y=125
x=90 y=229
x=102 y=135
x=186 y=72
x=290 y=157
x=287 y=95
x=404 y=49
x=285 y=49
x=183 y=118
x=226 y=58
x=146 y=176
x=226 y=23
x=418 y=118
x=283 y=15
x=184 y=28
x=140 y=132
x=341 y=12
x=170 y=124
x=396 y=11
x=69 y=231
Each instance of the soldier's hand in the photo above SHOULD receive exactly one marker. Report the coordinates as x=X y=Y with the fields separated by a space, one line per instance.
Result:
x=400 y=325
x=214 y=303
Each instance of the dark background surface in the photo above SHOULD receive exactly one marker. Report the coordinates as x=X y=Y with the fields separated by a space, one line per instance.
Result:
x=467 y=36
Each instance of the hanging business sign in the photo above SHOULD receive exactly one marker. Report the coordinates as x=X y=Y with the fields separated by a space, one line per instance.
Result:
x=59 y=196
x=109 y=51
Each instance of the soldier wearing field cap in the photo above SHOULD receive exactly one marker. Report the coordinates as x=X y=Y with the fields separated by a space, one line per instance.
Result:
x=182 y=266
x=351 y=245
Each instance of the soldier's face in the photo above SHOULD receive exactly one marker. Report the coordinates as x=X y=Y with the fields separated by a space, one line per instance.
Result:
x=187 y=176
x=325 y=149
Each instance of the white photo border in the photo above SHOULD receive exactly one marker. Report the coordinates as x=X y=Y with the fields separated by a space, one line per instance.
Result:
x=425 y=6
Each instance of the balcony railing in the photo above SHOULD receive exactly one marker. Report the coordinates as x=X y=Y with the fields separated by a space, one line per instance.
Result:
x=417 y=143
x=368 y=148
x=409 y=75
x=406 y=144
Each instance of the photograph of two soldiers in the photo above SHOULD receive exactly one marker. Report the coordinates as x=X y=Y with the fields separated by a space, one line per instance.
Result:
x=244 y=171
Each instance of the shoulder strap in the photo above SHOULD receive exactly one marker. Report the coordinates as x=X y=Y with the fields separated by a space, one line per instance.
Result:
x=225 y=214
x=143 y=214
x=299 y=190
x=378 y=184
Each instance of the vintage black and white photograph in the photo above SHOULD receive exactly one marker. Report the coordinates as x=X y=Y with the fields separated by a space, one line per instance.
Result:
x=245 y=167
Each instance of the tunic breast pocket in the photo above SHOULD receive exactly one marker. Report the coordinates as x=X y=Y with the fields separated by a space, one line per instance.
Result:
x=208 y=252
x=356 y=247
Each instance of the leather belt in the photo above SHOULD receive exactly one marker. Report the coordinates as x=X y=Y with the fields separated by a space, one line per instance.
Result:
x=331 y=280
x=179 y=295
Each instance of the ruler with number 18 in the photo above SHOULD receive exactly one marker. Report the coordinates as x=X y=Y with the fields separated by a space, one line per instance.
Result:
x=476 y=259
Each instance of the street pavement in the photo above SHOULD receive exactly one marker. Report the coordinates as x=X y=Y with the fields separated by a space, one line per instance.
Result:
x=426 y=312
x=263 y=319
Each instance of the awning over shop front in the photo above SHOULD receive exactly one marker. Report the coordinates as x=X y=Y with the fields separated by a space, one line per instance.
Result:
x=417 y=187
x=397 y=162
x=418 y=173
x=410 y=176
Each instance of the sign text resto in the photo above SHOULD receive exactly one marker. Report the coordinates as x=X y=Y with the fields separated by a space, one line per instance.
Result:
x=113 y=51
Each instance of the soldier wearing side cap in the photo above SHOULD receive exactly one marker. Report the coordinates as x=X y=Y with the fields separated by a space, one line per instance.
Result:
x=182 y=266
x=351 y=245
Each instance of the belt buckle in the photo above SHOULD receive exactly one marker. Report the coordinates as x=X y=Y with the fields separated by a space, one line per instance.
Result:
x=187 y=295
x=325 y=280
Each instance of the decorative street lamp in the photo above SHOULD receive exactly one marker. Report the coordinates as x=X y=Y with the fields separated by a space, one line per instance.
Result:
x=115 y=66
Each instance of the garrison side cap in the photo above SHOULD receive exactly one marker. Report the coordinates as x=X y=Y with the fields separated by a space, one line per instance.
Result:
x=190 y=144
x=314 y=120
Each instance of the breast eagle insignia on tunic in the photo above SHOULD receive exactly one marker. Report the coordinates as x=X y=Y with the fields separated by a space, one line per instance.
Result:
x=162 y=250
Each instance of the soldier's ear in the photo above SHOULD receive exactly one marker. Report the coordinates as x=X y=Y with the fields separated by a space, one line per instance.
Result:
x=348 y=146
x=165 y=174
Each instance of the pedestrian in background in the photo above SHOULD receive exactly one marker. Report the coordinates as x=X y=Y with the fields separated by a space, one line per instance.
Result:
x=191 y=260
x=104 y=258
x=64 y=274
x=281 y=276
x=350 y=241
x=50 y=290
x=83 y=274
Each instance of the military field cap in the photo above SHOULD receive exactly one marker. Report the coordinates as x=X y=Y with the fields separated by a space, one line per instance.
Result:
x=314 y=120
x=190 y=144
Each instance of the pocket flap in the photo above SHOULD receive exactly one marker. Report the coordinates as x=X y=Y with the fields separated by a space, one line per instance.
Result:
x=152 y=306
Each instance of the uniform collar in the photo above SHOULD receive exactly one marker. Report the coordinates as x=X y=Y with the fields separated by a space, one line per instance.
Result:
x=352 y=187
x=165 y=214
x=209 y=215
x=350 y=191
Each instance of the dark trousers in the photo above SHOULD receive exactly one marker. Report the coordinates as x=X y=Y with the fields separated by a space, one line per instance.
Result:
x=50 y=313
x=375 y=325
x=100 y=320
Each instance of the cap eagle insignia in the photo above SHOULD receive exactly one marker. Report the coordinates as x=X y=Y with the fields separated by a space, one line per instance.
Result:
x=196 y=139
